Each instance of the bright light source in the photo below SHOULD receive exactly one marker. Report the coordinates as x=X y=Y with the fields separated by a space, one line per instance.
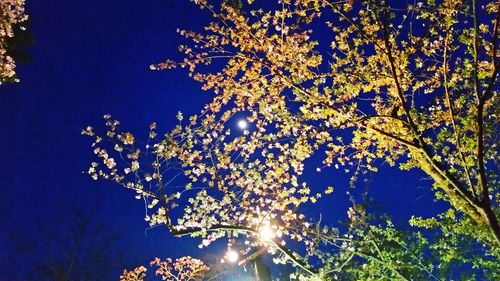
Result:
x=242 y=124
x=266 y=233
x=232 y=256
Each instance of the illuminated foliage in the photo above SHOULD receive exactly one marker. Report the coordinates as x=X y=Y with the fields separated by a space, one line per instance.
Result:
x=355 y=83
x=11 y=15
x=182 y=269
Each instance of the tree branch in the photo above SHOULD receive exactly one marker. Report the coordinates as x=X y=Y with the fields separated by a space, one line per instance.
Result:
x=288 y=253
x=496 y=64
x=456 y=133
x=435 y=167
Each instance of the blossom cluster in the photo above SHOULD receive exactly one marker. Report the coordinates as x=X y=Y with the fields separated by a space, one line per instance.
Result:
x=182 y=269
x=11 y=14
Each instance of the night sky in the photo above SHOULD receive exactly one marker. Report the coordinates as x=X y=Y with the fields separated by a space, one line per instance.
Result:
x=91 y=58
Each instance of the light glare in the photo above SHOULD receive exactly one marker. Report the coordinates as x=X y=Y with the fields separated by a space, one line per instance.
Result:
x=266 y=233
x=232 y=256
x=242 y=124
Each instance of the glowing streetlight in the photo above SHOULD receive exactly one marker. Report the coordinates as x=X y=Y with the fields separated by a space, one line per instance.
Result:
x=242 y=124
x=266 y=233
x=232 y=256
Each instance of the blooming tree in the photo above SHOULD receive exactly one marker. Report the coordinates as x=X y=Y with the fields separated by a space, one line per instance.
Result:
x=11 y=14
x=182 y=269
x=355 y=83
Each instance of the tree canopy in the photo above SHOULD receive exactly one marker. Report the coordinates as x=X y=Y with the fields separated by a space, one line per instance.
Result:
x=357 y=84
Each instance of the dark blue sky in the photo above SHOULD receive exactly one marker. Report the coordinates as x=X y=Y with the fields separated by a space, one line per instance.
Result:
x=92 y=57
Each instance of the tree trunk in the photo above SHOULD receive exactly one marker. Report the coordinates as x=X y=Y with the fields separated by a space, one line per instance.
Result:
x=480 y=212
x=492 y=221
